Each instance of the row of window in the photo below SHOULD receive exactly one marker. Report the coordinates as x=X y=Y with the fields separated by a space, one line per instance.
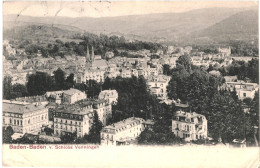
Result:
x=71 y=128
x=16 y=122
x=12 y=115
x=66 y=122
x=68 y=115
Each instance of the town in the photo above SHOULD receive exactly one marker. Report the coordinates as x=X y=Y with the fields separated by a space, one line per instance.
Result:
x=171 y=96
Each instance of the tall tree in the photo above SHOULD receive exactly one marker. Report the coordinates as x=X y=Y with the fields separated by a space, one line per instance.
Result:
x=7 y=87
x=69 y=82
x=166 y=69
x=7 y=134
x=94 y=133
x=59 y=77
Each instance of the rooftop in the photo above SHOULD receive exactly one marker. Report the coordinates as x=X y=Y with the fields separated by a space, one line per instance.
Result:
x=72 y=91
x=122 y=125
x=20 y=107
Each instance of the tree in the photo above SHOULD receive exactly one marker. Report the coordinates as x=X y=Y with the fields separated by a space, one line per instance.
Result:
x=7 y=134
x=69 y=82
x=7 y=87
x=59 y=76
x=93 y=88
x=39 y=83
x=19 y=90
x=94 y=133
x=68 y=137
x=81 y=86
x=48 y=131
x=185 y=61
x=225 y=117
x=166 y=69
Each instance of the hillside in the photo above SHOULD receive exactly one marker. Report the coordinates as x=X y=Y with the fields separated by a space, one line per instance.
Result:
x=166 y=26
x=241 y=26
x=42 y=32
x=201 y=24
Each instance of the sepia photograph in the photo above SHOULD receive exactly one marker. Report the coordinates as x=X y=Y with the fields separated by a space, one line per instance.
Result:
x=130 y=84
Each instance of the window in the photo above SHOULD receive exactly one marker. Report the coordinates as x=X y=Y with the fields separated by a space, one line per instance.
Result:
x=17 y=122
x=10 y=121
x=42 y=117
x=79 y=129
x=14 y=122
x=76 y=123
x=244 y=94
x=29 y=121
x=3 y=120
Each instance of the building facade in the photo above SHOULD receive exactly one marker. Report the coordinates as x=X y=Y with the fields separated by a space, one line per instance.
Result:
x=158 y=85
x=122 y=131
x=70 y=119
x=189 y=126
x=110 y=95
x=24 y=117
x=243 y=90
x=70 y=96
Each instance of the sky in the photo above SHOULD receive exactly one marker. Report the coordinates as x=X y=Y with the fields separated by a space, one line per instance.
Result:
x=106 y=8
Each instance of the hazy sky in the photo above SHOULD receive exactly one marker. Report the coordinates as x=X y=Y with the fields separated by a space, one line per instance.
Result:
x=112 y=8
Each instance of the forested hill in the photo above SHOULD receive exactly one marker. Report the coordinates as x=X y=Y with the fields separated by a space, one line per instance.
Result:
x=158 y=27
x=242 y=26
x=54 y=41
x=38 y=31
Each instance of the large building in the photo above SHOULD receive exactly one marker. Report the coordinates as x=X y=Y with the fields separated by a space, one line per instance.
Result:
x=66 y=96
x=33 y=99
x=110 y=95
x=103 y=109
x=189 y=126
x=78 y=117
x=24 y=117
x=158 y=85
x=122 y=131
x=243 y=90
x=73 y=118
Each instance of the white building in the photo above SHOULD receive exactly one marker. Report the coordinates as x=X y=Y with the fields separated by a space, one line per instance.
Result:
x=158 y=85
x=24 y=117
x=78 y=117
x=103 y=109
x=189 y=126
x=73 y=95
x=94 y=74
x=122 y=131
x=71 y=118
x=244 y=90
x=66 y=96
x=110 y=95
